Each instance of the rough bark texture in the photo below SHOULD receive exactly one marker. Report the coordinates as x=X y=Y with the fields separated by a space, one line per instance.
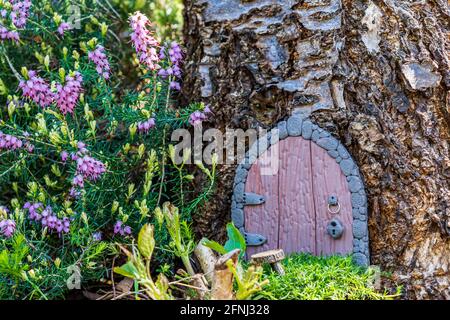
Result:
x=207 y=259
x=374 y=73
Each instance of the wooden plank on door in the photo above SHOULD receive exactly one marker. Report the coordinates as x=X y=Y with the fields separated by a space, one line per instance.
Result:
x=328 y=179
x=297 y=212
x=263 y=219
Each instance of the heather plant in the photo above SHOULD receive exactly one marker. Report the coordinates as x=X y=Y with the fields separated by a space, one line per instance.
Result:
x=166 y=15
x=84 y=157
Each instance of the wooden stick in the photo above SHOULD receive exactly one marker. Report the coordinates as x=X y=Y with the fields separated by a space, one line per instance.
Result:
x=222 y=281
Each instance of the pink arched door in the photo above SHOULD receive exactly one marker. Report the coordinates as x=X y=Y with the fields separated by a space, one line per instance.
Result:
x=295 y=213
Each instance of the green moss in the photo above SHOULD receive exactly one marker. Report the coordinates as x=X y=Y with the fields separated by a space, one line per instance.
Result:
x=322 y=278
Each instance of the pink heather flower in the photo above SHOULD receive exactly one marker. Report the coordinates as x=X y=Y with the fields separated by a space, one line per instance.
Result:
x=127 y=230
x=175 y=53
x=47 y=218
x=51 y=221
x=63 y=27
x=74 y=193
x=98 y=57
x=175 y=85
x=36 y=89
x=45 y=214
x=20 y=12
x=176 y=71
x=62 y=225
x=7 y=227
x=6 y=34
x=97 y=236
x=65 y=224
x=207 y=110
x=78 y=181
x=162 y=53
x=34 y=210
x=69 y=93
x=64 y=156
x=9 y=142
x=144 y=127
x=59 y=226
x=197 y=117
x=29 y=147
x=143 y=41
x=82 y=148
x=176 y=58
x=163 y=73
x=170 y=71
x=90 y=168
x=120 y=228
x=18 y=15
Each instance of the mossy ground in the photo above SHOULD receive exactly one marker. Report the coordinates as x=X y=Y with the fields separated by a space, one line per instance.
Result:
x=323 y=278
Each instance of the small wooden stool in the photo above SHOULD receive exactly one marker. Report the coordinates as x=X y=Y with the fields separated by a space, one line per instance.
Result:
x=273 y=257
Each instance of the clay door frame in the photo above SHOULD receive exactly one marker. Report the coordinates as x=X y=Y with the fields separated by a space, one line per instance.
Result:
x=296 y=126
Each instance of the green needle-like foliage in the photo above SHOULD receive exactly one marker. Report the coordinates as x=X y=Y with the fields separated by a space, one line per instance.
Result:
x=322 y=278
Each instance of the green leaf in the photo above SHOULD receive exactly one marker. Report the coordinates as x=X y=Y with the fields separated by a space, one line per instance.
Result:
x=11 y=262
x=235 y=240
x=127 y=270
x=146 y=242
x=215 y=246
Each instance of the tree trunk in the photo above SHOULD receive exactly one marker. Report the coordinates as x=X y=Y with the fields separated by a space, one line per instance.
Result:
x=375 y=74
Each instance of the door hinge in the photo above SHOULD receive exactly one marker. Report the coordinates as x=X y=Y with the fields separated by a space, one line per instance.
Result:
x=254 y=239
x=251 y=199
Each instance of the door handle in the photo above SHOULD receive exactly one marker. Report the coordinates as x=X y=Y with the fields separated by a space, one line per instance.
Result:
x=333 y=202
x=335 y=229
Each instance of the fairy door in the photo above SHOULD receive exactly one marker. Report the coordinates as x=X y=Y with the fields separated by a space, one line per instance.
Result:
x=307 y=203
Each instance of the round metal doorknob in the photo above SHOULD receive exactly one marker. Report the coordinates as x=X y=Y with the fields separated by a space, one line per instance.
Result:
x=335 y=228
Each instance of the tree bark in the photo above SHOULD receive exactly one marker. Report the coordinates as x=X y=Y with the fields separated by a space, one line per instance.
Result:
x=207 y=260
x=374 y=73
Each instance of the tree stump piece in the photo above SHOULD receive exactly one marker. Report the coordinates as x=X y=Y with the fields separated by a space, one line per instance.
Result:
x=222 y=282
